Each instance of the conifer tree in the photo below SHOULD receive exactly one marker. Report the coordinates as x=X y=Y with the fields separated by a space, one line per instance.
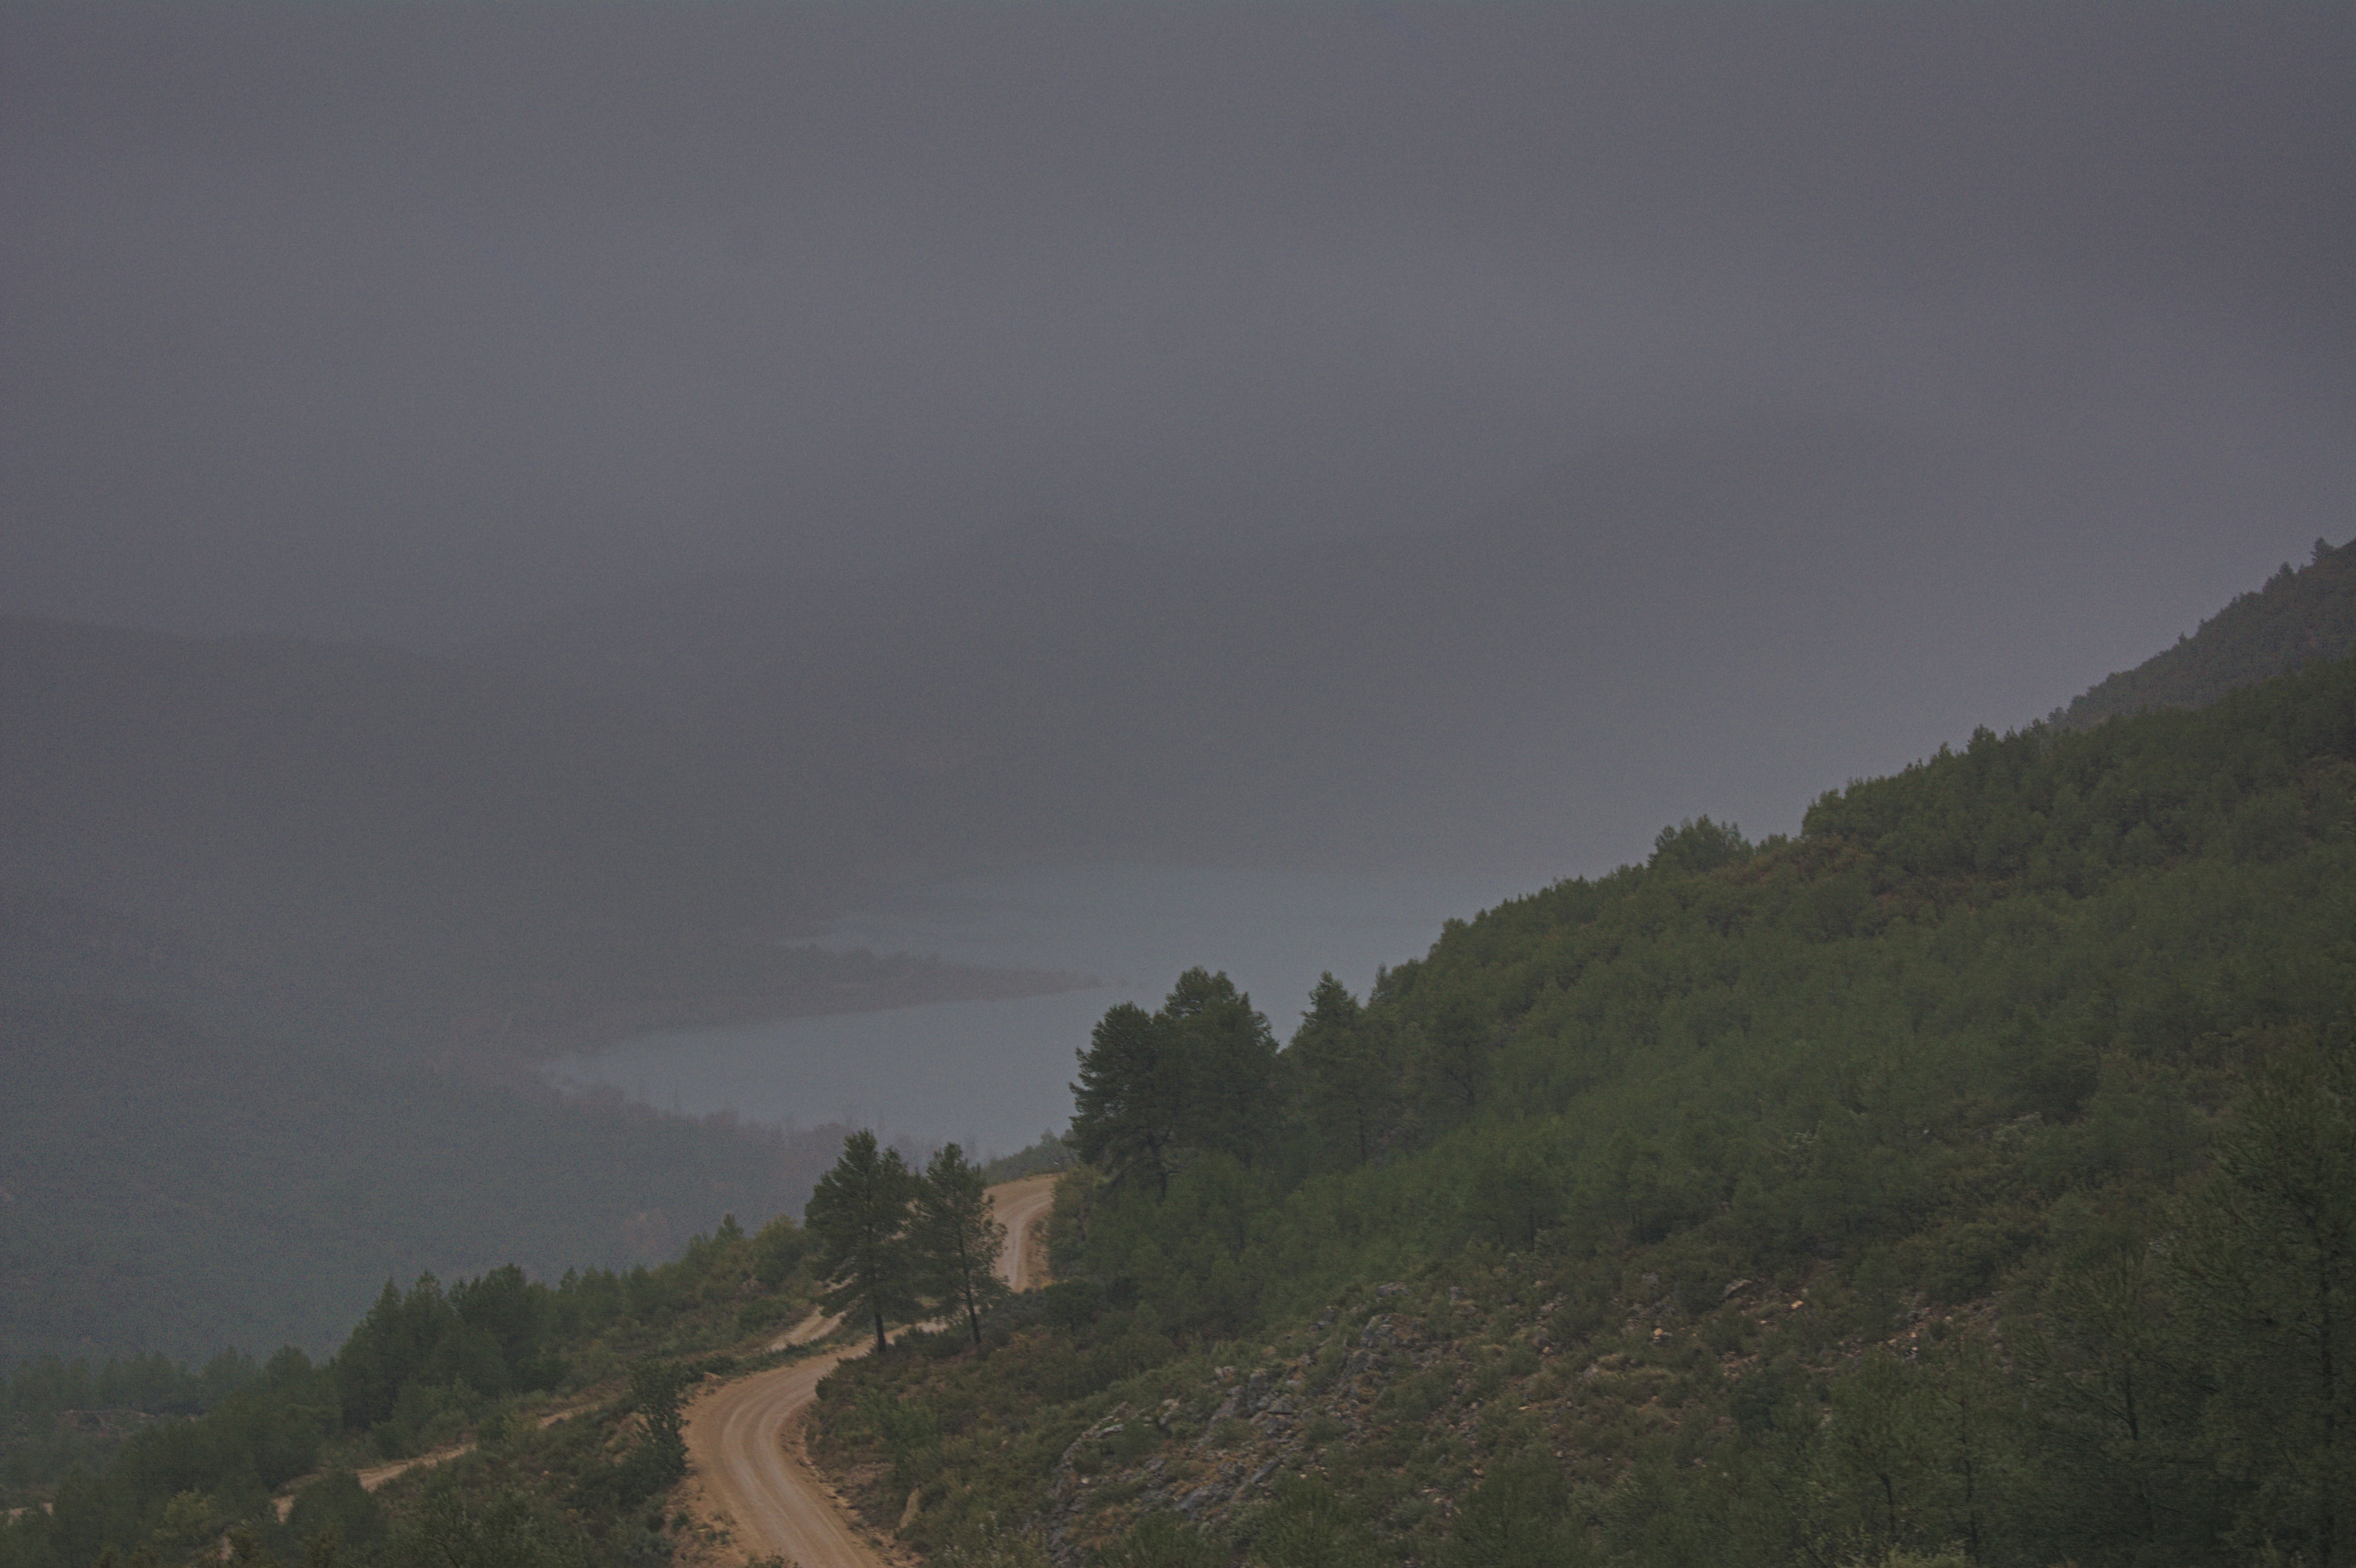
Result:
x=1347 y=1088
x=1128 y=1100
x=1225 y=1058
x=957 y=1238
x=859 y=1214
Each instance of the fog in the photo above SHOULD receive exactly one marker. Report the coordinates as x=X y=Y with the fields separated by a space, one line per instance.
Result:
x=696 y=467
x=407 y=323
x=513 y=517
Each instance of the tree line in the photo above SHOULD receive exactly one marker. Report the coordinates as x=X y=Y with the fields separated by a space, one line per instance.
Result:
x=898 y=1245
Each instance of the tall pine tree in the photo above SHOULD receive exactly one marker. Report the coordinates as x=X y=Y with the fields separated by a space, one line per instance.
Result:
x=1131 y=1096
x=860 y=1213
x=957 y=1238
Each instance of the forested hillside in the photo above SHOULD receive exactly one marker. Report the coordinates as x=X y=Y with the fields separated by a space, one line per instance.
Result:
x=494 y=1421
x=547 y=1417
x=1973 y=1173
x=2301 y=615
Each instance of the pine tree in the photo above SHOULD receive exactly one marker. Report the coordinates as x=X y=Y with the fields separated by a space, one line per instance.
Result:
x=957 y=1238
x=1225 y=1058
x=1129 y=1097
x=859 y=1214
x=1348 y=1088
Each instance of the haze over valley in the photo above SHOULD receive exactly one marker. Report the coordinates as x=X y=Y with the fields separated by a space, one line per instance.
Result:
x=1459 y=647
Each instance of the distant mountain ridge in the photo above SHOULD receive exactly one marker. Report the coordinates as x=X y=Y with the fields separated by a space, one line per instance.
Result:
x=165 y=1185
x=2300 y=616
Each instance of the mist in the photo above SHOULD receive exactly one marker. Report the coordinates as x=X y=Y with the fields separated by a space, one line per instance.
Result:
x=408 y=326
x=521 y=526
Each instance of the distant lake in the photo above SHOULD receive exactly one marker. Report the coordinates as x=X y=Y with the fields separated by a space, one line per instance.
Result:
x=993 y=1075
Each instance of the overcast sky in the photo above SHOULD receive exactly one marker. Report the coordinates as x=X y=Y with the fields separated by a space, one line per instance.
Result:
x=403 y=321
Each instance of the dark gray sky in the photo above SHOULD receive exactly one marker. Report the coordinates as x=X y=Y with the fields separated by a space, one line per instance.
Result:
x=403 y=321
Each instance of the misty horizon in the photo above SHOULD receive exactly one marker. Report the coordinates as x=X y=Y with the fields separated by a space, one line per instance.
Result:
x=414 y=328
x=1393 y=781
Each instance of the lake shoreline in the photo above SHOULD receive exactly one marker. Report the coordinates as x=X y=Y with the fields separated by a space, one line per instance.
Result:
x=990 y=1072
x=529 y=1026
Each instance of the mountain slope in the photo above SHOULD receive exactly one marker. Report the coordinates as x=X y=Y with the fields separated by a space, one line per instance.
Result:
x=2298 y=618
x=387 y=853
x=1971 y=1179
x=170 y=1185
x=204 y=1145
x=1824 y=1201
x=169 y=1190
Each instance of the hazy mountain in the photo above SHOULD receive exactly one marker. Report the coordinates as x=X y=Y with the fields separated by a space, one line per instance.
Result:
x=167 y=1184
x=2301 y=615
x=232 y=863
x=253 y=890
x=379 y=850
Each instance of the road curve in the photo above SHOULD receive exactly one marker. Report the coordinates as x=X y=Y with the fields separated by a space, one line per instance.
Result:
x=1020 y=1205
x=735 y=1440
x=735 y=1435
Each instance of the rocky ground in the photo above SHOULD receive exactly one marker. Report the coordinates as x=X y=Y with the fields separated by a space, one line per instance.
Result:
x=1399 y=1397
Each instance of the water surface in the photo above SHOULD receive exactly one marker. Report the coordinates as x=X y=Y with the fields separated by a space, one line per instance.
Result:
x=993 y=1075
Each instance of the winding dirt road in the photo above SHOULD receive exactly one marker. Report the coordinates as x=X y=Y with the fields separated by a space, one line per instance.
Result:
x=1022 y=1205
x=735 y=1435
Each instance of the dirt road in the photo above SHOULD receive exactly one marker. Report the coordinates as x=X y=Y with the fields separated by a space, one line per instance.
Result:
x=377 y=1476
x=735 y=1435
x=1021 y=1205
